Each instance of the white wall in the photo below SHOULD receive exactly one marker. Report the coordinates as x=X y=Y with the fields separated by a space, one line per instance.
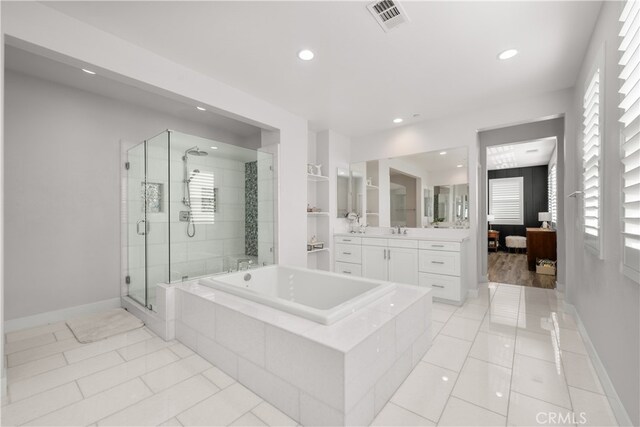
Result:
x=62 y=176
x=608 y=302
x=456 y=131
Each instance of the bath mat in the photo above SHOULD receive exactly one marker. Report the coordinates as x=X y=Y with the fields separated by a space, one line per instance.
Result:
x=96 y=327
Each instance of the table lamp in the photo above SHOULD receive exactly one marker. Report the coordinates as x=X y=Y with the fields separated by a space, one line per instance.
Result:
x=544 y=217
x=490 y=218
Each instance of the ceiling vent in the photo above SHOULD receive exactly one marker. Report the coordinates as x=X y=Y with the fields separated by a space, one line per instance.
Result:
x=389 y=14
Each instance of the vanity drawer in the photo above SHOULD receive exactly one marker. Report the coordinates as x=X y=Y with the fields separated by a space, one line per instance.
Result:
x=350 y=269
x=439 y=262
x=348 y=240
x=440 y=246
x=403 y=243
x=445 y=287
x=374 y=241
x=349 y=253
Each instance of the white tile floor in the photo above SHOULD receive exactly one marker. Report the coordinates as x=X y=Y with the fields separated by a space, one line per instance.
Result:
x=501 y=359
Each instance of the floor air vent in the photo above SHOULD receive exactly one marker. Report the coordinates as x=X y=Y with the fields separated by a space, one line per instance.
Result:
x=389 y=14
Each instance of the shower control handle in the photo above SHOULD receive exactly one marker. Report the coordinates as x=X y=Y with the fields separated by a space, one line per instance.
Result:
x=138 y=227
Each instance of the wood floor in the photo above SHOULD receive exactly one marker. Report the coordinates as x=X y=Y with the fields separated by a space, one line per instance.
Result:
x=512 y=268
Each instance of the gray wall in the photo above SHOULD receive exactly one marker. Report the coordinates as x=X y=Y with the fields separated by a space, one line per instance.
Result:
x=62 y=191
x=608 y=302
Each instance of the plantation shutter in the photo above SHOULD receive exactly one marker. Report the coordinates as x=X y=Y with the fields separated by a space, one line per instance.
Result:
x=591 y=162
x=630 y=150
x=506 y=201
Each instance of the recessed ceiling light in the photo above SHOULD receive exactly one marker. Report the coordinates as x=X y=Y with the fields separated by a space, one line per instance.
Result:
x=398 y=120
x=214 y=148
x=459 y=166
x=88 y=71
x=499 y=394
x=201 y=108
x=306 y=55
x=442 y=153
x=509 y=53
x=445 y=378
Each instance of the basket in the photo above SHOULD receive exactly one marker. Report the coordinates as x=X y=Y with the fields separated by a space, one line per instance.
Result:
x=546 y=266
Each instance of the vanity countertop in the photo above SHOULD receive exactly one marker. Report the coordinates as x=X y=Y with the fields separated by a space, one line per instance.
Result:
x=456 y=236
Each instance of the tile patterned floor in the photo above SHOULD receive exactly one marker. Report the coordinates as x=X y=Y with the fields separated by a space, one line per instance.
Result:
x=501 y=359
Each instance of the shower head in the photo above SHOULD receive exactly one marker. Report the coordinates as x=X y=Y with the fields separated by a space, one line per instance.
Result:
x=195 y=151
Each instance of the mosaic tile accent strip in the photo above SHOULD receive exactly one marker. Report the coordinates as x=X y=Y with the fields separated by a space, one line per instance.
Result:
x=152 y=194
x=251 y=208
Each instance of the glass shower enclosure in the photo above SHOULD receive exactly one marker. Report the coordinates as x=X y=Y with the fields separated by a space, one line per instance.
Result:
x=195 y=207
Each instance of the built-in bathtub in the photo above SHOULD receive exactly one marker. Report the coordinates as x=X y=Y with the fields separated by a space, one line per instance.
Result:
x=341 y=373
x=315 y=295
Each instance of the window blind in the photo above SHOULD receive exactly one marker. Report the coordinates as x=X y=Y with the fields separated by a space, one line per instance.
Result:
x=506 y=201
x=630 y=150
x=553 y=194
x=203 y=197
x=591 y=162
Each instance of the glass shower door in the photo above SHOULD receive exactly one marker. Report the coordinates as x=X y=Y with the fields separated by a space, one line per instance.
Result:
x=136 y=224
x=148 y=218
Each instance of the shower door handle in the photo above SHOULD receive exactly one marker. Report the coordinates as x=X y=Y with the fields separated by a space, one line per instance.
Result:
x=138 y=227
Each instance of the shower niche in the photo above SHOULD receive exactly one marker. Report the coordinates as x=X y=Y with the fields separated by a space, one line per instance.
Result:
x=194 y=207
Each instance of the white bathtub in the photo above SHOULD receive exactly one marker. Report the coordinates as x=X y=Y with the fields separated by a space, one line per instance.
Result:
x=315 y=295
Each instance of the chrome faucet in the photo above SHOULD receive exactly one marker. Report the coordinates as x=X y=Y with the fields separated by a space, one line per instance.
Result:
x=241 y=261
x=399 y=230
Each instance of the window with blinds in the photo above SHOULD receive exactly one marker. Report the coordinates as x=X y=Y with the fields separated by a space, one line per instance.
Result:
x=591 y=163
x=506 y=201
x=630 y=150
x=203 y=197
x=552 y=191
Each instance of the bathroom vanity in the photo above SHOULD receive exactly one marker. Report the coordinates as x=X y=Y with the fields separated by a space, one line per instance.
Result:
x=438 y=262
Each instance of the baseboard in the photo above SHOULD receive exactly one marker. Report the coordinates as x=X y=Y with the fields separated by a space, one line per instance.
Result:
x=59 y=315
x=614 y=400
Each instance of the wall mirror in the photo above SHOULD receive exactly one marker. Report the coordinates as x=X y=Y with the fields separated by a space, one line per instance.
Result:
x=350 y=197
x=420 y=190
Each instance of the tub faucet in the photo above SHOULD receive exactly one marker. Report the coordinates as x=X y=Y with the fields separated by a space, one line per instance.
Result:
x=241 y=261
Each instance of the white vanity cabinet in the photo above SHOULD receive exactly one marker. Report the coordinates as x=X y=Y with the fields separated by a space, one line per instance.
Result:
x=374 y=262
x=348 y=255
x=442 y=268
x=437 y=264
x=390 y=259
x=394 y=260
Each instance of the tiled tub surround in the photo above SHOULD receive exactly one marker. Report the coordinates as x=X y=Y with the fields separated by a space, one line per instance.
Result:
x=341 y=374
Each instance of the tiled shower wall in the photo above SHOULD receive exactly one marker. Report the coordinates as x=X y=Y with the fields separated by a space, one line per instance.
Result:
x=213 y=245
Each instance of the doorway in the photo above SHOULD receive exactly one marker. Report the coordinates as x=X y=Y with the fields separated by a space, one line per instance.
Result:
x=523 y=241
